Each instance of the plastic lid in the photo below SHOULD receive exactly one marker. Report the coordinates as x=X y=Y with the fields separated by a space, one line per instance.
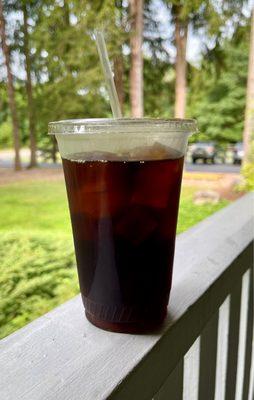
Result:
x=123 y=125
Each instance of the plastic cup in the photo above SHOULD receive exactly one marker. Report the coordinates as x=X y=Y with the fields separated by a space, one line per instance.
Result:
x=123 y=180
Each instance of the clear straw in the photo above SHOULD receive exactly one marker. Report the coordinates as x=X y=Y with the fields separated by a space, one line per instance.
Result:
x=108 y=75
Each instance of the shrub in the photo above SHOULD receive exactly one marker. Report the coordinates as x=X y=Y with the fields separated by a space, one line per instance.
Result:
x=248 y=173
x=37 y=272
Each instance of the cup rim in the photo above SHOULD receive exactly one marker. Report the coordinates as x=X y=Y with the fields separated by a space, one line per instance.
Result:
x=121 y=125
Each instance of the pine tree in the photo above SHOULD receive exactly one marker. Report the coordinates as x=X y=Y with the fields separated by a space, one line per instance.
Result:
x=29 y=87
x=198 y=14
x=10 y=88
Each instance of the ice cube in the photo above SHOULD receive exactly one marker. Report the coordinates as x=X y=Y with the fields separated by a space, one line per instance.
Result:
x=136 y=224
x=154 y=182
x=102 y=192
x=156 y=152
x=103 y=204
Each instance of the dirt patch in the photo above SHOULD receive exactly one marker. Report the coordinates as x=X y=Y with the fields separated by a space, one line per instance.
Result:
x=48 y=174
x=224 y=184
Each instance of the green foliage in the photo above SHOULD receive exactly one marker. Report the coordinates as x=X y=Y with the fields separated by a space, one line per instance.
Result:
x=37 y=272
x=68 y=81
x=158 y=88
x=70 y=85
x=5 y=120
x=248 y=174
x=6 y=134
x=4 y=109
x=218 y=90
x=67 y=78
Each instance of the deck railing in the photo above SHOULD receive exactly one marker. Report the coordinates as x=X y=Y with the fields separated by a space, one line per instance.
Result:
x=204 y=350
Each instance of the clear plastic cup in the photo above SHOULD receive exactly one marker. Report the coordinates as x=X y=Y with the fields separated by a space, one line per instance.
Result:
x=123 y=180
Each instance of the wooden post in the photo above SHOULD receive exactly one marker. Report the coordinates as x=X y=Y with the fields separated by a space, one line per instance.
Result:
x=208 y=353
x=243 y=332
x=234 y=319
x=173 y=387
x=249 y=354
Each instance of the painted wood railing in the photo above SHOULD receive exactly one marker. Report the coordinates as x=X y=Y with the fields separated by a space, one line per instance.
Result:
x=204 y=350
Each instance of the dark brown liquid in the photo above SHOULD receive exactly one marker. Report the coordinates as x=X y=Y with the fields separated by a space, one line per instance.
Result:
x=124 y=217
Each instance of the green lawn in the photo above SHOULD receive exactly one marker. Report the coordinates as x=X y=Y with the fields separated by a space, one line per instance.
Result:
x=34 y=206
x=42 y=206
x=37 y=269
x=190 y=214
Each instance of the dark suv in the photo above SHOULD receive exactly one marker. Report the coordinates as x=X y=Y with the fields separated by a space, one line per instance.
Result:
x=205 y=151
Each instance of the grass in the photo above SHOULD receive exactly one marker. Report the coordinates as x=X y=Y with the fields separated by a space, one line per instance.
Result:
x=37 y=269
x=42 y=206
x=190 y=214
x=34 y=206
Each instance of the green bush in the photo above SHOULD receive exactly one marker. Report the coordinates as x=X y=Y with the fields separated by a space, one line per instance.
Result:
x=37 y=273
x=248 y=173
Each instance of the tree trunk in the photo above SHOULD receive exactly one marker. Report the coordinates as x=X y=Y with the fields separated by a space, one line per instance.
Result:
x=29 y=90
x=118 y=78
x=181 y=32
x=10 y=89
x=249 y=109
x=136 y=71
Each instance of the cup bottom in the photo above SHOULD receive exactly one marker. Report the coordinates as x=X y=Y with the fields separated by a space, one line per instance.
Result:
x=124 y=319
x=137 y=327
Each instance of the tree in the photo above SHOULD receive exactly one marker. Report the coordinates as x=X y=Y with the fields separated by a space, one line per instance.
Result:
x=249 y=109
x=136 y=70
x=29 y=88
x=209 y=16
x=10 y=88
x=70 y=83
x=216 y=96
x=158 y=78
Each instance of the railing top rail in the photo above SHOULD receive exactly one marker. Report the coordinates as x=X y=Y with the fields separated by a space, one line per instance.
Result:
x=62 y=356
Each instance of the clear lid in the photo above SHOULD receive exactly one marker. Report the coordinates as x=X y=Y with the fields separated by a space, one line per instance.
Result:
x=123 y=125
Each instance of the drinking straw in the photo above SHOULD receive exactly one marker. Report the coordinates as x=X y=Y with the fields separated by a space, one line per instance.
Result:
x=108 y=75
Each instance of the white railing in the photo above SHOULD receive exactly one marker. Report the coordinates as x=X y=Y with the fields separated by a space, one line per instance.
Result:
x=204 y=350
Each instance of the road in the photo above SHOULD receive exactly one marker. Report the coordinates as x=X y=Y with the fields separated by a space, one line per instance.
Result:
x=6 y=161
x=223 y=168
x=7 y=156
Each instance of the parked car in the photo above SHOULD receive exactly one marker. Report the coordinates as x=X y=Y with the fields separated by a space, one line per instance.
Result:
x=238 y=153
x=205 y=151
